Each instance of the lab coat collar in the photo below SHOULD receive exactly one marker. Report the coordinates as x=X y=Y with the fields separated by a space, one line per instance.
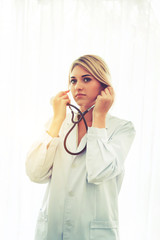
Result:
x=72 y=140
x=69 y=121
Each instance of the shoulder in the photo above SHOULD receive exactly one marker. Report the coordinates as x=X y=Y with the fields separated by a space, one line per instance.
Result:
x=114 y=123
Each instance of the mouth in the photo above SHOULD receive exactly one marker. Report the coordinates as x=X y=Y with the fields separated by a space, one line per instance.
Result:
x=79 y=95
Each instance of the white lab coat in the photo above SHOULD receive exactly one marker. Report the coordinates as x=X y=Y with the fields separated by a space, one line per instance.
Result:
x=81 y=201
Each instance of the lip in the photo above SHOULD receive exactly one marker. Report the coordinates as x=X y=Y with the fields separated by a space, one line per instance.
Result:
x=80 y=95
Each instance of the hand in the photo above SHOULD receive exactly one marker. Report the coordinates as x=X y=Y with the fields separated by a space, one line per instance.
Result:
x=59 y=103
x=104 y=101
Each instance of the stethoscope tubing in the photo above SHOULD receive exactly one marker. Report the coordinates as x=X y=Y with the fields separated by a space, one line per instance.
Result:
x=76 y=122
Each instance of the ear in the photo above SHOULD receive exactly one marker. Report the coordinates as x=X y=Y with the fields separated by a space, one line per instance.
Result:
x=104 y=86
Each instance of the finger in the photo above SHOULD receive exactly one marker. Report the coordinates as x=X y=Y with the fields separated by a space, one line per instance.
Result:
x=51 y=100
x=112 y=93
x=110 y=89
x=62 y=93
x=105 y=92
x=67 y=91
x=67 y=101
x=64 y=97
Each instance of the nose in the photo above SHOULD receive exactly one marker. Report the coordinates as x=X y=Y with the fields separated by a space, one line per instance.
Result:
x=79 y=85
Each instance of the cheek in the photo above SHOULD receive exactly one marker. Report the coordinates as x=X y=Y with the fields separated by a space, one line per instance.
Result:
x=94 y=93
x=97 y=90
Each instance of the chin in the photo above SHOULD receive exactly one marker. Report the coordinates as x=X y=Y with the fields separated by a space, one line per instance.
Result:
x=85 y=106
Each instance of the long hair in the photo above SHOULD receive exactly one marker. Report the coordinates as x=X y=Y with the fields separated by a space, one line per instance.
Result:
x=96 y=66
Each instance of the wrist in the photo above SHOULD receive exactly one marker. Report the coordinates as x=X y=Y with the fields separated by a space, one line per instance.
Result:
x=99 y=120
x=99 y=115
x=54 y=127
x=58 y=120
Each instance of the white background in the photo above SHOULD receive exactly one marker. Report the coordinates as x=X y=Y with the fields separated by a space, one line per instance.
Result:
x=38 y=42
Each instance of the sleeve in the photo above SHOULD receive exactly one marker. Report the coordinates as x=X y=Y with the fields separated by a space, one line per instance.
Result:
x=40 y=158
x=105 y=155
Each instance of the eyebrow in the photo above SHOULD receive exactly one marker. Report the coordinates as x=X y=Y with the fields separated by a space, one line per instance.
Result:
x=86 y=75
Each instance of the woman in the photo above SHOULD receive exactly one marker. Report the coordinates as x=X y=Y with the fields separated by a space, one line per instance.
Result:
x=81 y=201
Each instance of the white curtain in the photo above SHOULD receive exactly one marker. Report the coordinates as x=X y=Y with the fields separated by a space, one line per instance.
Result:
x=39 y=39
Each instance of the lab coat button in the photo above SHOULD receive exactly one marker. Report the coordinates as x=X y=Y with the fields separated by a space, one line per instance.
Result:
x=73 y=165
x=71 y=194
x=69 y=224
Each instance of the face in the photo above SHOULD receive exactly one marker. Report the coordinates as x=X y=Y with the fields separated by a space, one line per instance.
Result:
x=84 y=87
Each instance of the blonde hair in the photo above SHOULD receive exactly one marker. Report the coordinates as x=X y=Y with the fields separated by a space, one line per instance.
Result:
x=96 y=66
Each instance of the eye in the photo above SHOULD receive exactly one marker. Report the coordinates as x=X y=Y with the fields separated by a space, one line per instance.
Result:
x=87 y=79
x=73 y=81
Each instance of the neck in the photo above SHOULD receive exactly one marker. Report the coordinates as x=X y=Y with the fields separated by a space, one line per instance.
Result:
x=88 y=115
x=84 y=108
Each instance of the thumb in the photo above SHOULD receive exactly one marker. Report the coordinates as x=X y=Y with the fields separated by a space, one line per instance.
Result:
x=51 y=100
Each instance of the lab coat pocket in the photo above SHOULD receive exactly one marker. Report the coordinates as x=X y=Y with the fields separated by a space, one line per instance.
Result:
x=104 y=230
x=42 y=226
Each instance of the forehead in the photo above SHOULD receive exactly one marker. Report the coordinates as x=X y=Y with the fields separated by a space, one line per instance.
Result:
x=78 y=71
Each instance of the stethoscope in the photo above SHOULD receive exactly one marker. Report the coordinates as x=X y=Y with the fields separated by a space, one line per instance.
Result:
x=82 y=114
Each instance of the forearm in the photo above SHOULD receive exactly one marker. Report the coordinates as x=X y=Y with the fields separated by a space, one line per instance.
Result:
x=54 y=127
x=107 y=151
x=39 y=159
